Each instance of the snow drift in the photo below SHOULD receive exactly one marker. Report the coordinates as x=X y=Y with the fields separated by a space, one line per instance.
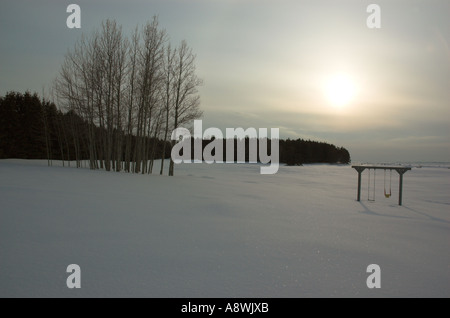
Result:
x=220 y=230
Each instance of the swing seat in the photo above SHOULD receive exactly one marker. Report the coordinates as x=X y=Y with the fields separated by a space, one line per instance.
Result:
x=388 y=194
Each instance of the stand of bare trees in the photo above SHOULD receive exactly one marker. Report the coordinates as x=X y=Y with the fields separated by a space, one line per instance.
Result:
x=131 y=92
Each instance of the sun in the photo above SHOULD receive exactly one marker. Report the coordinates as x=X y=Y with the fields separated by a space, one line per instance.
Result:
x=340 y=90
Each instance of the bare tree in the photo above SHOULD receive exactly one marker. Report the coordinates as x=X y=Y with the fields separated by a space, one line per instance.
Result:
x=72 y=88
x=155 y=136
x=186 y=82
x=168 y=97
x=127 y=93
x=131 y=96
x=149 y=73
x=112 y=48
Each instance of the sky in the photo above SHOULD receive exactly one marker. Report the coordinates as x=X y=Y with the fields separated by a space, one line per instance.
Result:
x=313 y=69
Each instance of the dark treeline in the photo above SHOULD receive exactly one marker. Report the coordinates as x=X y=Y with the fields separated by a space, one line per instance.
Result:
x=291 y=152
x=299 y=151
x=33 y=128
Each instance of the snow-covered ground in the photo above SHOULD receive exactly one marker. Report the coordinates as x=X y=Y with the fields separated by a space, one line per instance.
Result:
x=221 y=230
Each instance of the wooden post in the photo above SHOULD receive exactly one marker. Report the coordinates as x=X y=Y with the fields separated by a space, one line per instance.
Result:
x=400 y=190
x=359 y=187
x=400 y=185
x=360 y=170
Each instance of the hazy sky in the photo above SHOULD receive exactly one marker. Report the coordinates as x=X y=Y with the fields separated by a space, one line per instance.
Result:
x=268 y=64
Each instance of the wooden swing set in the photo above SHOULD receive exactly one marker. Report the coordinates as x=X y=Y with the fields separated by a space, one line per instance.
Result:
x=387 y=191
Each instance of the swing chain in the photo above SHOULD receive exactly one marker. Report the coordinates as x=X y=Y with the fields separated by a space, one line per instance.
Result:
x=368 y=188
x=388 y=194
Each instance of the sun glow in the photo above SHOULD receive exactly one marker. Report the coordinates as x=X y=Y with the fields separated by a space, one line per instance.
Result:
x=340 y=90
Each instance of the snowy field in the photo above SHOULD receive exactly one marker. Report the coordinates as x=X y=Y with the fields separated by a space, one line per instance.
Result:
x=221 y=231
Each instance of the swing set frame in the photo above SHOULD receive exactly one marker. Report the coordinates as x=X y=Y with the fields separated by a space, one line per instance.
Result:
x=400 y=170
